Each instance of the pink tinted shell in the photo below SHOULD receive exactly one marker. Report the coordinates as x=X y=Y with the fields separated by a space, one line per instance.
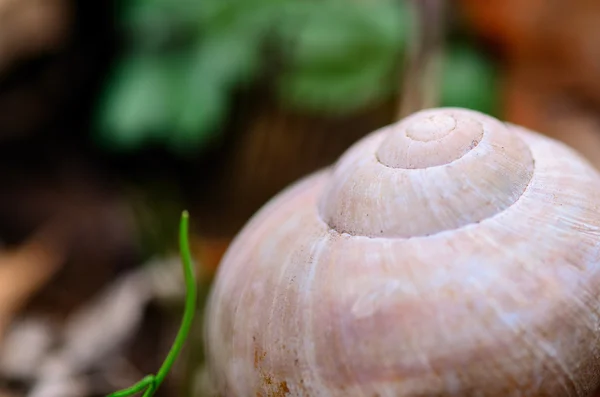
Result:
x=449 y=254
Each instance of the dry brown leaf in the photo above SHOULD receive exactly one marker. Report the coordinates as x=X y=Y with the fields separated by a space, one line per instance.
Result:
x=512 y=23
x=26 y=343
x=31 y=26
x=101 y=326
x=97 y=331
x=208 y=252
x=533 y=104
x=26 y=269
x=556 y=40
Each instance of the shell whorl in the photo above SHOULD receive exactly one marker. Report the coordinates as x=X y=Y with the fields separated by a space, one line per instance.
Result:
x=437 y=170
x=486 y=280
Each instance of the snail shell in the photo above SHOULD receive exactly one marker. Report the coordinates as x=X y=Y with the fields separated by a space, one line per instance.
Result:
x=449 y=254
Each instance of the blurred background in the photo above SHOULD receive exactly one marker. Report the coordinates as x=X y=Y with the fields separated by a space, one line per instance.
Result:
x=116 y=116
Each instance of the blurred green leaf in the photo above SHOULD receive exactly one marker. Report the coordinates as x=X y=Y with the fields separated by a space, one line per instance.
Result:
x=138 y=100
x=340 y=90
x=342 y=55
x=220 y=63
x=183 y=97
x=240 y=15
x=188 y=56
x=228 y=58
x=469 y=80
x=152 y=25
x=335 y=31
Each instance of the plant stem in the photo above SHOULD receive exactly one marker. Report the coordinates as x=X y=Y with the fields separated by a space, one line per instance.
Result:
x=421 y=75
x=151 y=383
x=138 y=387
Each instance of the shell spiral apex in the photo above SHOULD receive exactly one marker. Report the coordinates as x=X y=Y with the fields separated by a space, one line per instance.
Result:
x=417 y=177
x=449 y=254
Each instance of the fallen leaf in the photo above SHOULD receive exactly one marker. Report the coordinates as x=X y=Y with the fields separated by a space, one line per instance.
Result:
x=28 y=27
x=535 y=105
x=25 y=345
x=97 y=331
x=27 y=268
x=208 y=252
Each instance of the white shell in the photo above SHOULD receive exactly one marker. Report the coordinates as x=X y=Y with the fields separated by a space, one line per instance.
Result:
x=449 y=254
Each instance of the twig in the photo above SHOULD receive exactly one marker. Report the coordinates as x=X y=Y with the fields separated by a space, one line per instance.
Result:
x=422 y=70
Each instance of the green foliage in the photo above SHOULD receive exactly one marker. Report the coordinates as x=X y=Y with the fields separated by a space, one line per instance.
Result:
x=139 y=104
x=344 y=55
x=469 y=80
x=186 y=57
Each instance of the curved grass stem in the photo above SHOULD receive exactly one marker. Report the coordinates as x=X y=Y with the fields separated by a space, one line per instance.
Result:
x=151 y=383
